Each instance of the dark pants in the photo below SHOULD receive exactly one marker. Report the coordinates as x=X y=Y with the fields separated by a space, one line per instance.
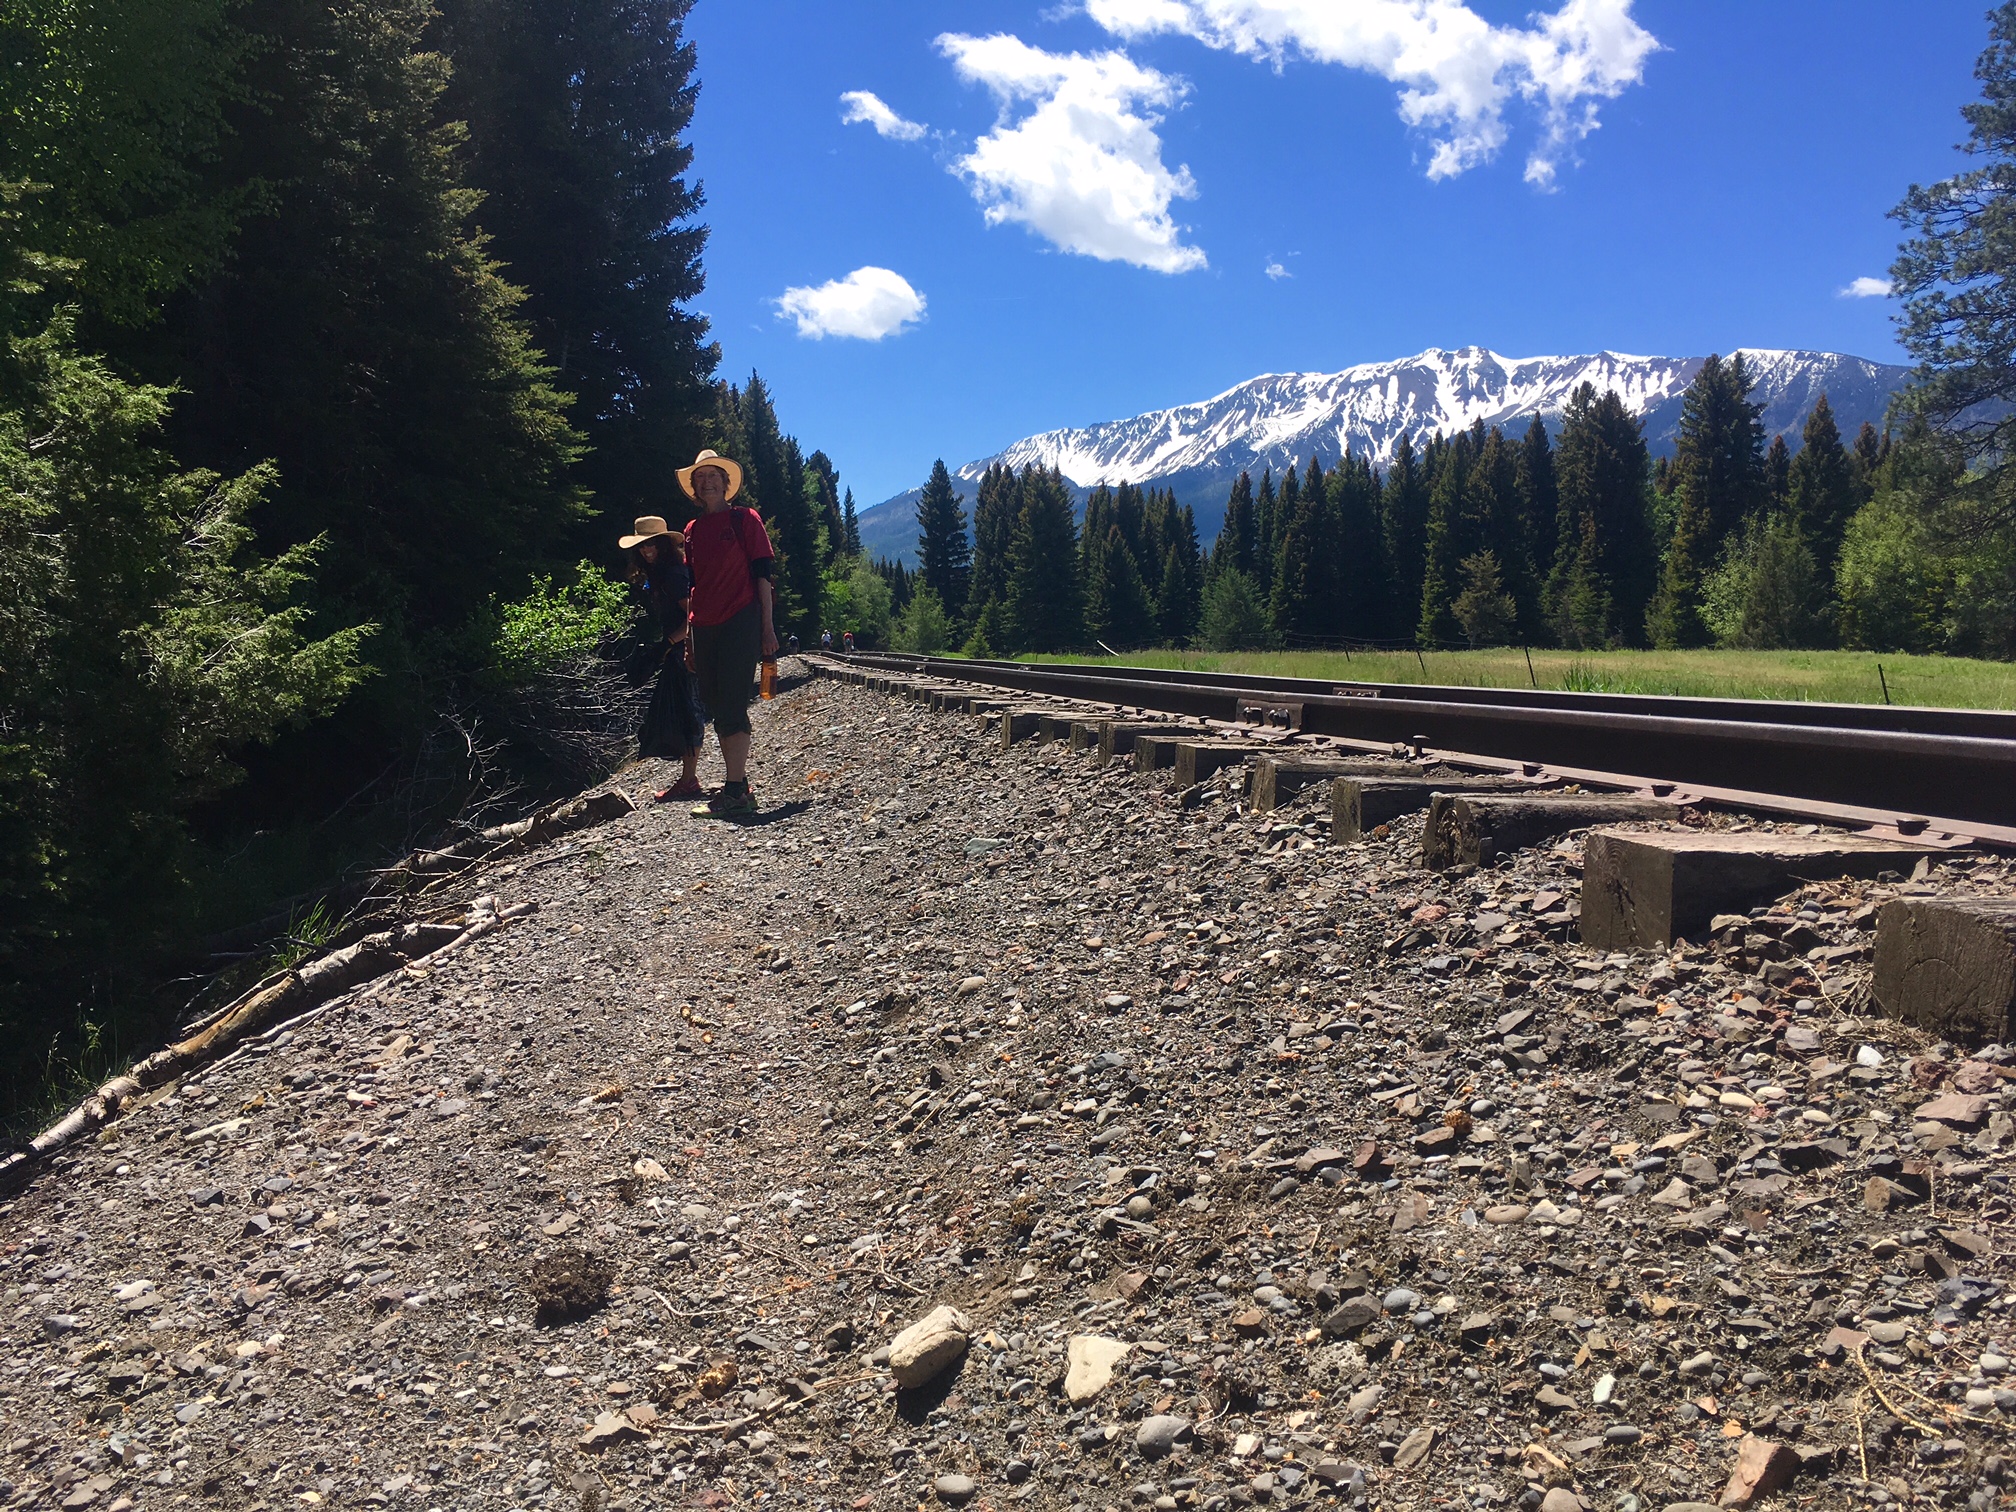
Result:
x=675 y=723
x=725 y=657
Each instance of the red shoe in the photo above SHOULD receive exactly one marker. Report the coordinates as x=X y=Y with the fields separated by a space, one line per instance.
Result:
x=684 y=788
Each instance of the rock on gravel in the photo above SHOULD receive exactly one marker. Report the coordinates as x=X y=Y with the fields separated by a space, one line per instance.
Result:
x=929 y=1347
x=1089 y=1364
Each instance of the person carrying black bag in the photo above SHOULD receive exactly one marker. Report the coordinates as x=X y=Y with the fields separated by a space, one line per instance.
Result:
x=674 y=725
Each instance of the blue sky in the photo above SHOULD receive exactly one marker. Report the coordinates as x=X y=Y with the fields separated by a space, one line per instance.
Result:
x=1737 y=181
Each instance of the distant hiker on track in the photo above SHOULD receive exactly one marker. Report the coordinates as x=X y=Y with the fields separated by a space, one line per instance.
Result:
x=732 y=561
x=674 y=726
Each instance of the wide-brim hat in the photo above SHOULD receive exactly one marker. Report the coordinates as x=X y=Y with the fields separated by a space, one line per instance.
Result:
x=650 y=528
x=727 y=465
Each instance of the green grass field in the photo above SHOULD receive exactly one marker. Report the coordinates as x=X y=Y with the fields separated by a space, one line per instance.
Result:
x=1815 y=676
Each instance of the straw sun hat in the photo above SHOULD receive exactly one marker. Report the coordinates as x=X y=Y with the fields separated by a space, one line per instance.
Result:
x=650 y=528
x=727 y=465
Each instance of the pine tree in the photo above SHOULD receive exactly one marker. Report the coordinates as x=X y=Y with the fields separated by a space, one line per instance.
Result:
x=1045 y=602
x=1956 y=279
x=822 y=498
x=1870 y=451
x=1234 y=549
x=1180 y=602
x=1821 y=491
x=1300 y=604
x=1604 y=555
x=1273 y=510
x=1777 y=476
x=1445 y=547
x=1092 y=539
x=577 y=119
x=361 y=338
x=1234 y=618
x=1496 y=521
x=777 y=492
x=944 y=559
x=1361 y=578
x=1404 y=530
x=1718 y=467
x=1484 y=609
x=850 y=526
x=996 y=505
x=1124 y=616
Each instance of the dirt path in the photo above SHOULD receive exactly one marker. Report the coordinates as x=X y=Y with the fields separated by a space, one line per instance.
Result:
x=1390 y=1192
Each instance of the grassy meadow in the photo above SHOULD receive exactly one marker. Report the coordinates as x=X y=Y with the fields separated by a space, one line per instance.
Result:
x=1815 y=676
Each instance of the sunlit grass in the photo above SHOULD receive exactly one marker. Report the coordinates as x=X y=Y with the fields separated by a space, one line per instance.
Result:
x=1814 y=676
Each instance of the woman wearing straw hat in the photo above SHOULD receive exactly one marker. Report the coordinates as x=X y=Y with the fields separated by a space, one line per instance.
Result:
x=675 y=724
x=732 y=561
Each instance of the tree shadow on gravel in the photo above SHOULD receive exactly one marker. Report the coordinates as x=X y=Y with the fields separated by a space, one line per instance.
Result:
x=917 y=1404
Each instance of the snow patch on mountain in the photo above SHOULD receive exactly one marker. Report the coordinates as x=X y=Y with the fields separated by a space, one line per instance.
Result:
x=1280 y=420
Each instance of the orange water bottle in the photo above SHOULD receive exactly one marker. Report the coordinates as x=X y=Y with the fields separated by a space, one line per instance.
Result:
x=769 y=683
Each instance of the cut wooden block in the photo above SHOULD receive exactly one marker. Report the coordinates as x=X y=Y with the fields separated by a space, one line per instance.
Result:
x=1276 y=779
x=1117 y=736
x=1359 y=805
x=1018 y=725
x=1154 y=753
x=1198 y=759
x=1949 y=965
x=1644 y=889
x=1085 y=733
x=1475 y=831
x=1056 y=726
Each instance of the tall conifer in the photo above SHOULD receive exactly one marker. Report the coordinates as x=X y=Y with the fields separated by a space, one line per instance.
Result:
x=1233 y=550
x=1045 y=602
x=996 y=505
x=577 y=118
x=1404 y=530
x=944 y=557
x=1822 y=492
x=1718 y=467
x=1604 y=555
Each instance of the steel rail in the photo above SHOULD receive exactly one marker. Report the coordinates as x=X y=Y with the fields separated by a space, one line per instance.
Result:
x=1990 y=724
x=1908 y=774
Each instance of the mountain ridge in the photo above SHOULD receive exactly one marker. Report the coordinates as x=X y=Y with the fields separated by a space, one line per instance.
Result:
x=1275 y=420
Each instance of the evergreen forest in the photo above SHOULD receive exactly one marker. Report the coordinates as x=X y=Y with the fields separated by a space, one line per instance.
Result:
x=339 y=339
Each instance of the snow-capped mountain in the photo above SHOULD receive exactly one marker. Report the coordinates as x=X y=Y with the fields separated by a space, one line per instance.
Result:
x=1281 y=419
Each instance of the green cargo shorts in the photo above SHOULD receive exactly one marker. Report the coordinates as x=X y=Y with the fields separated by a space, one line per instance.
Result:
x=724 y=657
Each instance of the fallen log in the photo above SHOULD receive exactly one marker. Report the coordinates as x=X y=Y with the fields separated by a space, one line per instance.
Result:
x=283 y=996
x=548 y=824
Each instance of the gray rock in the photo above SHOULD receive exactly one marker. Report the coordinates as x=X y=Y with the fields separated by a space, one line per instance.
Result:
x=1156 y=1437
x=954 y=1490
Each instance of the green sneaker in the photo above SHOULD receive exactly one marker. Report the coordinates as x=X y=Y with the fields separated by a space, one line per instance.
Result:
x=731 y=804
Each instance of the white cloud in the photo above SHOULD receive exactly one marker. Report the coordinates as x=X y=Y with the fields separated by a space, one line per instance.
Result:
x=1276 y=271
x=859 y=107
x=1457 y=71
x=867 y=304
x=1867 y=288
x=1074 y=156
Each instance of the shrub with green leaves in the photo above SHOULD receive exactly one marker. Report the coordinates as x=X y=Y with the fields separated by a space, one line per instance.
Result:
x=557 y=623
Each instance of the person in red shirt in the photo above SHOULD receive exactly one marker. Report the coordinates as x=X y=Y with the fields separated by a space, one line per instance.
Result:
x=730 y=556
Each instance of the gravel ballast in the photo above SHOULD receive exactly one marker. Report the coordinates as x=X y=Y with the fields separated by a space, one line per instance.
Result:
x=1355 y=1183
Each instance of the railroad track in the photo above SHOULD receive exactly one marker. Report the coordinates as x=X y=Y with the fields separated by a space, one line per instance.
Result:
x=1943 y=777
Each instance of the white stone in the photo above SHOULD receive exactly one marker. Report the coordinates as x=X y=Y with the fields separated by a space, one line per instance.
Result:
x=929 y=1347
x=1089 y=1363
